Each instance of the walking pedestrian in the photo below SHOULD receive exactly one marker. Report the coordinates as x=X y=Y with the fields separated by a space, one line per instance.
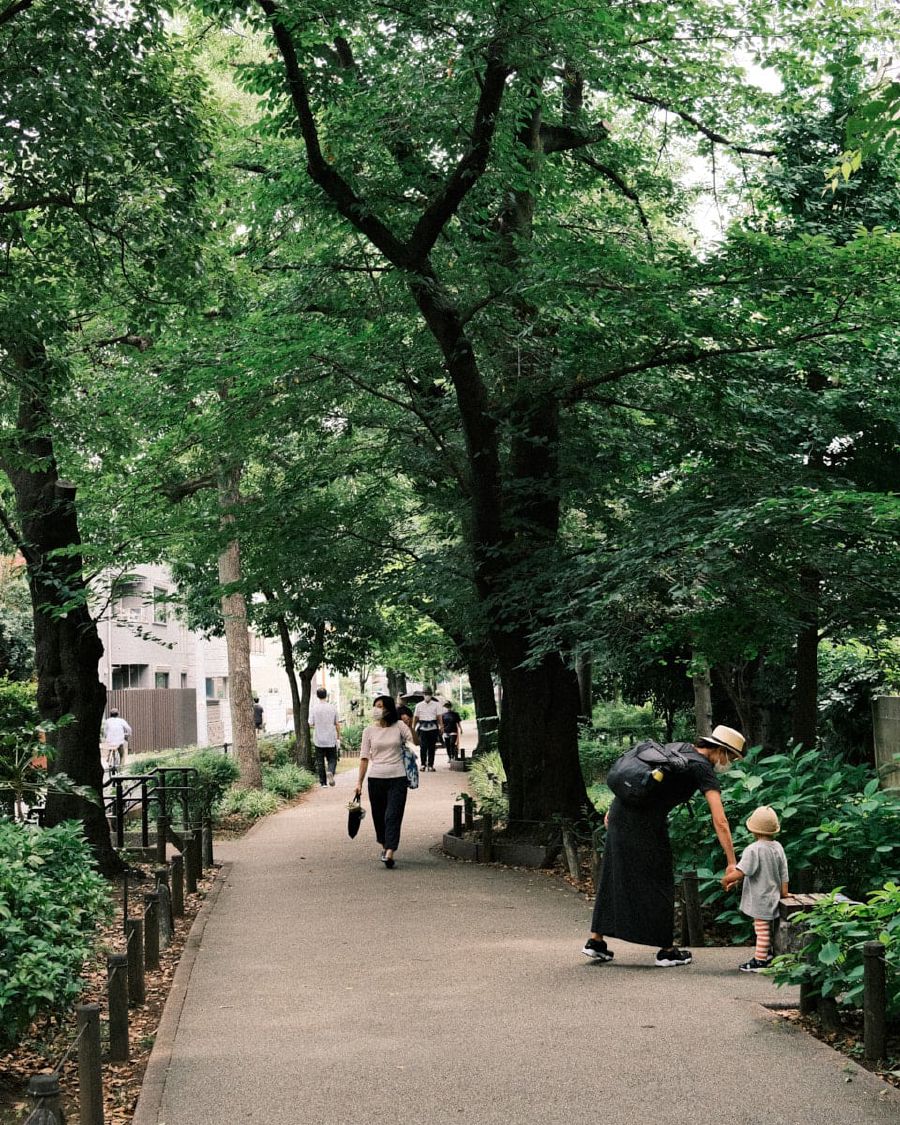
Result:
x=381 y=757
x=257 y=715
x=636 y=893
x=116 y=733
x=427 y=723
x=763 y=868
x=451 y=721
x=326 y=736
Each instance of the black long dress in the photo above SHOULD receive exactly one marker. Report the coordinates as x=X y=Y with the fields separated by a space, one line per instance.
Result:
x=636 y=896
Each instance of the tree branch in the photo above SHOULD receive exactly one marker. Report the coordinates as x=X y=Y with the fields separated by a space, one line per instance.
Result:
x=614 y=178
x=685 y=356
x=11 y=205
x=338 y=190
x=13 y=10
x=471 y=164
x=564 y=138
x=710 y=134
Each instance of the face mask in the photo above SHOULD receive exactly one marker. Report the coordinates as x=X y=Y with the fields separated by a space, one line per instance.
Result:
x=427 y=698
x=722 y=767
x=377 y=713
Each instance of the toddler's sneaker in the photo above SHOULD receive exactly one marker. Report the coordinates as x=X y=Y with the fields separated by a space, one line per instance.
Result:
x=754 y=965
x=597 y=950
x=670 y=958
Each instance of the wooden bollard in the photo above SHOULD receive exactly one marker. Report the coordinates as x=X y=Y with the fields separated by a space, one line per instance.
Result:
x=134 y=951
x=468 y=811
x=571 y=853
x=117 y=996
x=162 y=837
x=151 y=930
x=207 y=831
x=166 y=919
x=691 y=887
x=190 y=870
x=90 y=1080
x=43 y=1089
x=176 y=868
x=874 y=1001
x=457 y=820
x=487 y=838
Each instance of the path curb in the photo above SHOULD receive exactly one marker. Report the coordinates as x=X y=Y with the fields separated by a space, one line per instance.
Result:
x=153 y=1087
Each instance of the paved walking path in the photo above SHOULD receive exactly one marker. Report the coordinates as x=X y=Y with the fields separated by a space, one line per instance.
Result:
x=329 y=991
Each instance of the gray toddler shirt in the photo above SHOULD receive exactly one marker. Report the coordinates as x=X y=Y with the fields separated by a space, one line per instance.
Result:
x=765 y=868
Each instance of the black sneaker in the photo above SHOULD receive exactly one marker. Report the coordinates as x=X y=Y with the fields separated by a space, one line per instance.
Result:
x=597 y=950
x=670 y=958
x=754 y=965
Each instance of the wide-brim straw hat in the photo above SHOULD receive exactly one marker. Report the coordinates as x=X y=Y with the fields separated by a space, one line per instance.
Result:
x=764 y=820
x=727 y=738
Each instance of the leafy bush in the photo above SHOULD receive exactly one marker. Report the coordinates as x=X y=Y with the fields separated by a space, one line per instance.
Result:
x=276 y=750
x=837 y=827
x=351 y=738
x=50 y=900
x=251 y=804
x=18 y=705
x=601 y=797
x=628 y=722
x=832 y=961
x=486 y=780
x=287 y=780
x=215 y=772
x=596 y=754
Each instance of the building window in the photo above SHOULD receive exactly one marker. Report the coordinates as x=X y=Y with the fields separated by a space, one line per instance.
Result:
x=257 y=644
x=183 y=680
x=216 y=687
x=160 y=606
x=128 y=676
x=161 y=680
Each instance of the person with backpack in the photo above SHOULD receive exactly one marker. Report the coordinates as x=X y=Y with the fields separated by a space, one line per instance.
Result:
x=451 y=723
x=636 y=893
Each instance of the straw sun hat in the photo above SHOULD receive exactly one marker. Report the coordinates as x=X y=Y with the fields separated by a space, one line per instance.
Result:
x=764 y=820
x=727 y=738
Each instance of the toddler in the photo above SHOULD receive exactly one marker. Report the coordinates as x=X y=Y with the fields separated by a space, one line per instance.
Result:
x=764 y=871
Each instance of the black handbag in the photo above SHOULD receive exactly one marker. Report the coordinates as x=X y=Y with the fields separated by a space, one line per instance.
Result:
x=355 y=816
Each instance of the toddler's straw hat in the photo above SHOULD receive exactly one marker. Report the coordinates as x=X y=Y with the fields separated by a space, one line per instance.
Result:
x=764 y=820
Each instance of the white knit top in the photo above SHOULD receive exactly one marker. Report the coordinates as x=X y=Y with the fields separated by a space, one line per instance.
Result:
x=381 y=745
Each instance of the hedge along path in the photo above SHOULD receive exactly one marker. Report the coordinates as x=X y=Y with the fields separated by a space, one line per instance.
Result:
x=444 y=990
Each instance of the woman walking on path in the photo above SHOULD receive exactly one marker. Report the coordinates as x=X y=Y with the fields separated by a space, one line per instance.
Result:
x=381 y=756
x=636 y=894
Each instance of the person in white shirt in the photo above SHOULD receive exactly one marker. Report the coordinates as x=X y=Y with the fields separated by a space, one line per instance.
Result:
x=323 y=718
x=116 y=733
x=381 y=756
x=429 y=726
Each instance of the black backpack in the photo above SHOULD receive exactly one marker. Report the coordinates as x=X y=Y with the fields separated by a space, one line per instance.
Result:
x=639 y=774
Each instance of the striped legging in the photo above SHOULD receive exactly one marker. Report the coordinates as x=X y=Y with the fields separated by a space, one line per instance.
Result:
x=763 y=931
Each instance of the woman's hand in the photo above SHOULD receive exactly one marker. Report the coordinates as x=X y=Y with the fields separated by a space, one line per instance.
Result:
x=606 y=821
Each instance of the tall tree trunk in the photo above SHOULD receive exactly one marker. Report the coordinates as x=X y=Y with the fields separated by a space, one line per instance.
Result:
x=702 y=696
x=290 y=668
x=67 y=645
x=805 y=715
x=307 y=676
x=584 y=668
x=396 y=682
x=237 y=638
x=484 y=700
x=539 y=739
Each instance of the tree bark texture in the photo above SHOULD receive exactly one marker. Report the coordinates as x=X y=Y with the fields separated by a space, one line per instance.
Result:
x=307 y=676
x=237 y=639
x=805 y=712
x=584 y=667
x=67 y=644
x=290 y=668
x=702 y=698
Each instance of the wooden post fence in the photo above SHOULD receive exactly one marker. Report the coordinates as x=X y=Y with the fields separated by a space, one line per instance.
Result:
x=691 y=886
x=151 y=930
x=117 y=996
x=457 y=820
x=176 y=866
x=134 y=951
x=43 y=1089
x=90 y=1084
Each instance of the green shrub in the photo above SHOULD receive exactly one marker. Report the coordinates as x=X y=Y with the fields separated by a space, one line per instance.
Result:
x=628 y=722
x=287 y=780
x=351 y=737
x=251 y=804
x=837 y=827
x=18 y=705
x=601 y=797
x=486 y=779
x=50 y=900
x=832 y=961
x=596 y=754
x=276 y=750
